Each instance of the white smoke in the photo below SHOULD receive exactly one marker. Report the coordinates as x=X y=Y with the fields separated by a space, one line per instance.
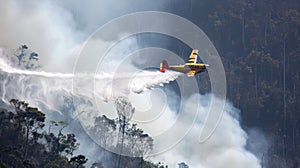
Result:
x=225 y=148
x=45 y=27
x=56 y=29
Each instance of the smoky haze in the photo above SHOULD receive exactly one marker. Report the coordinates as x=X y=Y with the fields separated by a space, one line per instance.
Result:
x=57 y=29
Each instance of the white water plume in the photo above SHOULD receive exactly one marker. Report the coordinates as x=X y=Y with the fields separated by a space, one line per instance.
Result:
x=107 y=85
x=5 y=67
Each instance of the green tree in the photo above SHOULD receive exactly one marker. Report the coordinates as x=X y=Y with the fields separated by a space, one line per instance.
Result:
x=78 y=161
x=27 y=59
x=122 y=137
x=24 y=143
x=125 y=112
x=32 y=119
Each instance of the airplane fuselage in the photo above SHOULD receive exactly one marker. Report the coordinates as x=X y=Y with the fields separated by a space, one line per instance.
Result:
x=188 y=67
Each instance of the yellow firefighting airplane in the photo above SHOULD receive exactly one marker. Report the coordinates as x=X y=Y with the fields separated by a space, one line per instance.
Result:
x=191 y=67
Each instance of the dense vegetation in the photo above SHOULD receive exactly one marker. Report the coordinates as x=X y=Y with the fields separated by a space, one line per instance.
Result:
x=24 y=141
x=259 y=43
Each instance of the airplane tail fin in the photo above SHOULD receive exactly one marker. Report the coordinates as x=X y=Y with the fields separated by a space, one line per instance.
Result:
x=163 y=66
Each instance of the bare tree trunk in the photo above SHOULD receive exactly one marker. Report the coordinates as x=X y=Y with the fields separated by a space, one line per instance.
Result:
x=284 y=105
x=243 y=30
x=26 y=144
x=122 y=143
x=256 y=81
x=141 y=162
x=265 y=33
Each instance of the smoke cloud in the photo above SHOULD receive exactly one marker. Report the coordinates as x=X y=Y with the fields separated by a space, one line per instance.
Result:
x=45 y=27
x=225 y=148
x=56 y=31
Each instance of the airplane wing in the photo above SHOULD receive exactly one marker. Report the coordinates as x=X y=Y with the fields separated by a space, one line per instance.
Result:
x=191 y=73
x=193 y=57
